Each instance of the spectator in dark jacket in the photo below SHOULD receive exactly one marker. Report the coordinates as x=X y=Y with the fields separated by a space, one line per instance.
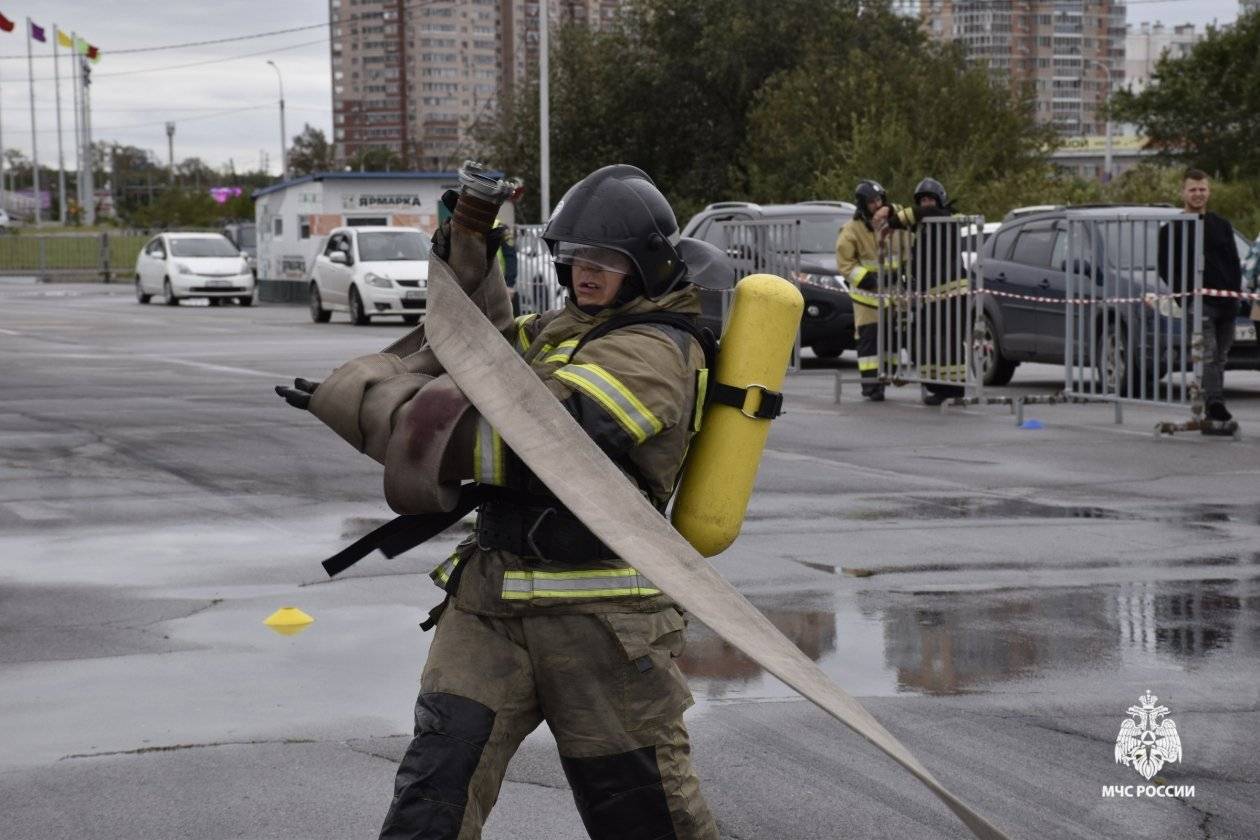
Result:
x=1222 y=271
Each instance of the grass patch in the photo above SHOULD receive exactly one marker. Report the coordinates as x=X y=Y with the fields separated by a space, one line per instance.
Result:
x=69 y=251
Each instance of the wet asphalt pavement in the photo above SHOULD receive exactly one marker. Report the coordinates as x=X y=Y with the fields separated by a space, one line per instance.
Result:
x=998 y=597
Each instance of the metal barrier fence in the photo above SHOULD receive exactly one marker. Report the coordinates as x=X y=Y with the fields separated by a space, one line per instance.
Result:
x=68 y=256
x=1134 y=308
x=928 y=286
x=762 y=247
x=537 y=287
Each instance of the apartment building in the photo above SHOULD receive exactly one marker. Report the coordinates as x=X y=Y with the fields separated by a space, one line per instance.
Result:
x=1070 y=53
x=1145 y=45
x=414 y=76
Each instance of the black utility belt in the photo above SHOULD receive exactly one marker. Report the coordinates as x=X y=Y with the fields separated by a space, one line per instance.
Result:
x=538 y=532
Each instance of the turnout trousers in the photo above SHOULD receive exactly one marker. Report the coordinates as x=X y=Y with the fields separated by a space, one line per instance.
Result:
x=608 y=688
x=868 y=358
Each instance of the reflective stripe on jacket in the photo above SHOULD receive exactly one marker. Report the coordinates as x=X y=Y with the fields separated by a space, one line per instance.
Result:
x=634 y=391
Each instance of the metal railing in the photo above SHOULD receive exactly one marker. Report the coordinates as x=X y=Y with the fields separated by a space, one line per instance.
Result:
x=537 y=287
x=763 y=247
x=1133 y=308
x=71 y=256
x=928 y=289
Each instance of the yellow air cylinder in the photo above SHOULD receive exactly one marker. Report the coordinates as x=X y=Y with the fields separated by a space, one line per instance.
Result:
x=722 y=465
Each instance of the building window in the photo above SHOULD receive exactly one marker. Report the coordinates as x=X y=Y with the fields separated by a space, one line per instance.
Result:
x=278 y=227
x=304 y=227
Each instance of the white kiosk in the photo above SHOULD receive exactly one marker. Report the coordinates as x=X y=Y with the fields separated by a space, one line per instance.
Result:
x=295 y=216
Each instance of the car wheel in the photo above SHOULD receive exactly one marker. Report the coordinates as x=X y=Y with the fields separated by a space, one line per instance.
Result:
x=141 y=295
x=216 y=301
x=991 y=367
x=319 y=314
x=168 y=294
x=827 y=349
x=411 y=320
x=1116 y=370
x=358 y=316
x=245 y=300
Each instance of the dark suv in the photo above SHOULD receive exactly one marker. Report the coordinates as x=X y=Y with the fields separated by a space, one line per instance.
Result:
x=1028 y=256
x=827 y=323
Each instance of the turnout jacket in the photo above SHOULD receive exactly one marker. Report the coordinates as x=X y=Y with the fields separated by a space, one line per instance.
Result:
x=858 y=257
x=636 y=392
x=633 y=390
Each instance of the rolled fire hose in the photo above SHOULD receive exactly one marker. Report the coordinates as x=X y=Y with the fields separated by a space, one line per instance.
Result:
x=551 y=443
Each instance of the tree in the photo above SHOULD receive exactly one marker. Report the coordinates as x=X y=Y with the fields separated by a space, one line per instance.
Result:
x=818 y=129
x=195 y=172
x=375 y=159
x=730 y=99
x=310 y=153
x=1204 y=109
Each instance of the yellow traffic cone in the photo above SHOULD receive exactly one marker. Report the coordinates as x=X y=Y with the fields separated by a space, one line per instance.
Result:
x=288 y=621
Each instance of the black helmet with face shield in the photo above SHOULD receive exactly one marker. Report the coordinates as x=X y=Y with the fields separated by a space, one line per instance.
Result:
x=615 y=219
x=935 y=189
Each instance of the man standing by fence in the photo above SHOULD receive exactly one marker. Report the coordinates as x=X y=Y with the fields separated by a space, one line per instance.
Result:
x=1222 y=271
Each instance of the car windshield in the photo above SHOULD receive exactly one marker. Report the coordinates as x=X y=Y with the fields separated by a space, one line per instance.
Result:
x=818 y=234
x=393 y=245
x=202 y=247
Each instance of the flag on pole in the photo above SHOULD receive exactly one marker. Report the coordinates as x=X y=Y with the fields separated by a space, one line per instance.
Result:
x=64 y=40
x=93 y=53
x=6 y=24
x=37 y=32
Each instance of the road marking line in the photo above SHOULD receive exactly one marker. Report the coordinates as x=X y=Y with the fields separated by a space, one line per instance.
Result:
x=221 y=368
x=36 y=511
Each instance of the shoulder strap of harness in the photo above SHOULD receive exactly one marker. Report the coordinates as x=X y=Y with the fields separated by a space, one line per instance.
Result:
x=685 y=323
x=771 y=405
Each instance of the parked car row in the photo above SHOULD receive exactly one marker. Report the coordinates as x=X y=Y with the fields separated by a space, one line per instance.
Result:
x=375 y=271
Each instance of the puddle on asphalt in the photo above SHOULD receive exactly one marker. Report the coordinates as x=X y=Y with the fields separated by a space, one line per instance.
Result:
x=919 y=507
x=883 y=643
x=998 y=566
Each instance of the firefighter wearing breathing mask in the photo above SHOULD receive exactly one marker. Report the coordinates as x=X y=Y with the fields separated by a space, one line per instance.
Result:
x=541 y=621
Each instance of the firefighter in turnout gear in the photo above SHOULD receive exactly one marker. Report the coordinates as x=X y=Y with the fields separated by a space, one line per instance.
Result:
x=936 y=271
x=541 y=621
x=861 y=248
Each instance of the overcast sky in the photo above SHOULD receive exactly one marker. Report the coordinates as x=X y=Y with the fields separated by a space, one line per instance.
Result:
x=132 y=108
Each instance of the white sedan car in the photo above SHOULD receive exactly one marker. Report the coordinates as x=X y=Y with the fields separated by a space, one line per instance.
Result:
x=369 y=271
x=193 y=265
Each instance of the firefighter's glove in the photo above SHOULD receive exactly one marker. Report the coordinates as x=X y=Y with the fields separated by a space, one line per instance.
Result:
x=299 y=394
x=442 y=236
x=494 y=241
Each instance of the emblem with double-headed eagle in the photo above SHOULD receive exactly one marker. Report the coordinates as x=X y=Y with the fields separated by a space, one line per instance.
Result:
x=1146 y=741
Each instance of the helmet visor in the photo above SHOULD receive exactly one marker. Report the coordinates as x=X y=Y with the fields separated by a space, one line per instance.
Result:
x=593 y=257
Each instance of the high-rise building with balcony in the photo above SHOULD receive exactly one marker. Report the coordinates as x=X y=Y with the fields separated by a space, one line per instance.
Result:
x=1146 y=44
x=1070 y=53
x=414 y=76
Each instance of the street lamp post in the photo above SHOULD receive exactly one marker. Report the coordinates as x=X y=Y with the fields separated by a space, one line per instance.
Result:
x=284 y=158
x=544 y=112
x=170 y=145
x=1107 y=149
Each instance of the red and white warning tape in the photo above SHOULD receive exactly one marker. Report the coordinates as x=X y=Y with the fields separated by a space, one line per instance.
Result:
x=1149 y=297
